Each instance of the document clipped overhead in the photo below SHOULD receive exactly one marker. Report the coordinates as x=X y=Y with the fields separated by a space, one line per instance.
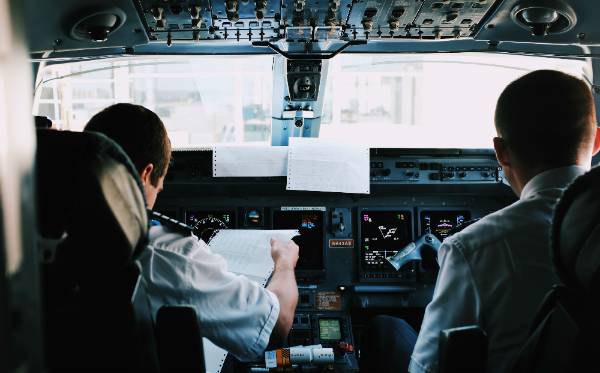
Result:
x=324 y=166
x=249 y=161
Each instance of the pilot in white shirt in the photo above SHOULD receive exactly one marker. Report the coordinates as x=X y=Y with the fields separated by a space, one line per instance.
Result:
x=495 y=273
x=235 y=313
x=183 y=271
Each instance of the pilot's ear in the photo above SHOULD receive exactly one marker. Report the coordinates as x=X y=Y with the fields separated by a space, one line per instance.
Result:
x=502 y=153
x=146 y=172
x=596 y=142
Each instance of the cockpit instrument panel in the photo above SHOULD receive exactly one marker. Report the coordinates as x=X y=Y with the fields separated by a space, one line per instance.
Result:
x=205 y=223
x=310 y=224
x=382 y=234
x=442 y=222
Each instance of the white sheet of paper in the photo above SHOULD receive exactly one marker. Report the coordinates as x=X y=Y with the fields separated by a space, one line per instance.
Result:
x=214 y=356
x=248 y=253
x=325 y=166
x=249 y=161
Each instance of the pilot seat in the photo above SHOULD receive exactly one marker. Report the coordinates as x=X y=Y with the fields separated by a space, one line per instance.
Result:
x=564 y=336
x=91 y=220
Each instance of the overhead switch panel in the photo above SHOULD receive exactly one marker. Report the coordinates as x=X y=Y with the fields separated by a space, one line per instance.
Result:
x=272 y=20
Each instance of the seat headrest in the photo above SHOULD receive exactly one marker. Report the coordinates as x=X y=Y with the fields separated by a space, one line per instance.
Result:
x=89 y=194
x=576 y=232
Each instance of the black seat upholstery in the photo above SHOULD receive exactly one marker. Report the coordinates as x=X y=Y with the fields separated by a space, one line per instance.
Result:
x=463 y=350
x=92 y=220
x=179 y=341
x=564 y=336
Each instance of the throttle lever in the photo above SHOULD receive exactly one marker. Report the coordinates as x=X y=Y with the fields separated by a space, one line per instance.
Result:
x=412 y=251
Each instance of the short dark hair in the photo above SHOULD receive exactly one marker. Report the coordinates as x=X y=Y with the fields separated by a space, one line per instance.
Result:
x=546 y=118
x=141 y=134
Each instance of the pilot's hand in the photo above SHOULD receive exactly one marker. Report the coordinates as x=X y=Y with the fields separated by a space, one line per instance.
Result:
x=284 y=254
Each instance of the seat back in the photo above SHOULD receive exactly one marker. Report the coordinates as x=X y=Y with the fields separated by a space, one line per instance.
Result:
x=179 y=341
x=463 y=350
x=564 y=334
x=92 y=221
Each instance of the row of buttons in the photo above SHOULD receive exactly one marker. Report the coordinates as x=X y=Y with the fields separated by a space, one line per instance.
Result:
x=405 y=165
x=437 y=166
x=461 y=174
x=471 y=168
x=382 y=275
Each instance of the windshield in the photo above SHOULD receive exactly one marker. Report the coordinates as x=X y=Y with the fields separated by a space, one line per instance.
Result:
x=201 y=100
x=412 y=101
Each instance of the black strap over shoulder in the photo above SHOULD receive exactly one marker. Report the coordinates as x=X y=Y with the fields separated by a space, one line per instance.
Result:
x=170 y=223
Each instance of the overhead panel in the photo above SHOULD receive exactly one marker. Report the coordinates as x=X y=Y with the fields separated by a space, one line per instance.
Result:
x=194 y=20
x=312 y=20
x=316 y=13
x=382 y=18
x=184 y=20
x=250 y=17
x=439 y=19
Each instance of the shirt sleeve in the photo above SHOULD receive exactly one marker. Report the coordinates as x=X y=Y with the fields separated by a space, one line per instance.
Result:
x=455 y=303
x=235 y=313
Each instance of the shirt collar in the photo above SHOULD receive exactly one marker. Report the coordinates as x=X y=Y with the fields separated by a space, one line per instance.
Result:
x=554 y=178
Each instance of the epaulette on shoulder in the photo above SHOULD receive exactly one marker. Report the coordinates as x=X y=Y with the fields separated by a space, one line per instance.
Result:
x=171 y=224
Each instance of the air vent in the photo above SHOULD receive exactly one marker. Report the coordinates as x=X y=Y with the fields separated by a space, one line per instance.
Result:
x=543 y=17
x=96 y=25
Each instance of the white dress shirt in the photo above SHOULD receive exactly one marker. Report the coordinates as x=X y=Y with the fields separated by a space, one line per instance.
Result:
x=495 y=274
x=235 y=313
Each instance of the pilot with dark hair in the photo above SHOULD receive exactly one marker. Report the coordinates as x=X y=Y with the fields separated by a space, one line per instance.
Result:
x=496 y=271
x=233 y=312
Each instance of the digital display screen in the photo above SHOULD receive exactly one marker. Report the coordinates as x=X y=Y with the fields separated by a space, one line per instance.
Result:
x=253 y=217
x=383 y=234
x=310 y=225
x=329 y=330
x=441 y=223
x=205 y=223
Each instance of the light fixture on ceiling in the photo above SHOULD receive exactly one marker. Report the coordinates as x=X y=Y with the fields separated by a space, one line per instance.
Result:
x=543 y=17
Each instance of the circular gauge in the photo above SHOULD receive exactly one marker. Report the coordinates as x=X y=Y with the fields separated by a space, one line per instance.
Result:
x=205 y=228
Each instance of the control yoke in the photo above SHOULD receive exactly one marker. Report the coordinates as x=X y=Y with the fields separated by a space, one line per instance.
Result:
x=412 y=251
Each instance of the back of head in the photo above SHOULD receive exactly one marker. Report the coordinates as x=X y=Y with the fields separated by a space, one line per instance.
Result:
x=547 y=118
x=139 y=131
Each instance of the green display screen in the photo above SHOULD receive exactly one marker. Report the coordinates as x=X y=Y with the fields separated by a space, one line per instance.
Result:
x=329 y=330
